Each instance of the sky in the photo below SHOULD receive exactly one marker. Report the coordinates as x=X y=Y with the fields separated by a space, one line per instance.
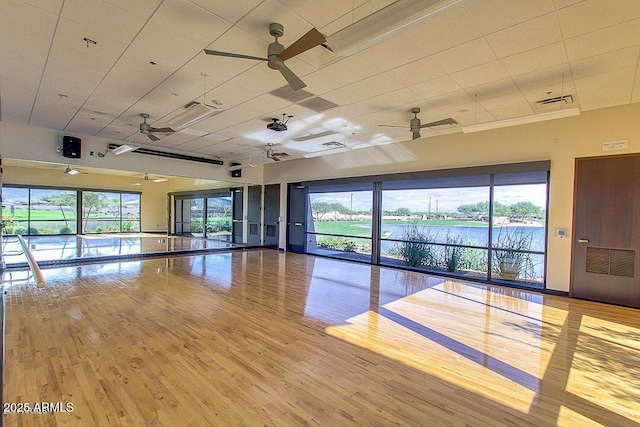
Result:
x=442 y=200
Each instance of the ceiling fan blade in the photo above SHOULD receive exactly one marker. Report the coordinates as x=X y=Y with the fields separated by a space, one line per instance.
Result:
x=310 y=40
x=153 y=137
x=233 y=55
x=448 y=121
x=294 y=81
x=393 y=126
x=416 y=134
x=162 y=130
x=275 y=159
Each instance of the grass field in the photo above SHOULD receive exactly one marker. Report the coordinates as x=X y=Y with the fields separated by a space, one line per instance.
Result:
x=347 y=228
x=47 y=215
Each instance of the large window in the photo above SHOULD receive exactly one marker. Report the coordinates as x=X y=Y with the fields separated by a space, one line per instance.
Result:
x=107 y=212
x=486 y=223
x=519 y=230
x=53 y=211
x=34 y=211
x=15 y=210
x=443 y=229
x=340 y=224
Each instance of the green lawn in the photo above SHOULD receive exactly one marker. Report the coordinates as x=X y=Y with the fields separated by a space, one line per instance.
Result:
x=347 y=228
x=46 y=215
x=22 y=214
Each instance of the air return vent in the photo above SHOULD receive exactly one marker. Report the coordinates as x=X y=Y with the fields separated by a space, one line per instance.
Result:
x=555 y=103
x=614 y=262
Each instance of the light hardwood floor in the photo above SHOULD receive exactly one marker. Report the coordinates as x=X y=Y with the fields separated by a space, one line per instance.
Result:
x=261 y=338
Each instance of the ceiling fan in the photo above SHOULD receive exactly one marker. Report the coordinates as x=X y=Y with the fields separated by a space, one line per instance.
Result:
x=415 y=126
x=275 y=156
x=277 y=54
x=147 y=129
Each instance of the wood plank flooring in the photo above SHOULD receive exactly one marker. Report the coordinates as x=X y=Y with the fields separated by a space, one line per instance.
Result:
x=261 y=338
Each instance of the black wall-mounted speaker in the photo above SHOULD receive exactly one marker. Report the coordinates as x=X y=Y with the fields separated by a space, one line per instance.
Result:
x=236 y=173
x=71 y=147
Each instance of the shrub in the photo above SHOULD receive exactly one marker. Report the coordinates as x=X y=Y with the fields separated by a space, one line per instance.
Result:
x=331 y=242
x=65 y=230
x=350 y=246
x=416 y=249
x=452 y=255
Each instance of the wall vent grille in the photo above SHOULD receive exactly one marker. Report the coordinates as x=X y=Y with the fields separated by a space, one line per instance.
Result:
x=614 y=262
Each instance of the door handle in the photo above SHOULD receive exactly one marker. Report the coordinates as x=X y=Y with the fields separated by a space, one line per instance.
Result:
x=583 y=240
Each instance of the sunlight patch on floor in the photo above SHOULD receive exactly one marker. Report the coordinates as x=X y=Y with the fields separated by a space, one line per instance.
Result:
x=606 y=366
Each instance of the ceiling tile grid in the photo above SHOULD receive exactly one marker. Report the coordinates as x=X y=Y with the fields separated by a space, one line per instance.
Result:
x=481 y=60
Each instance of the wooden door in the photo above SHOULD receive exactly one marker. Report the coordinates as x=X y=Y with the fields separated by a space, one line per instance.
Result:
x=606 y=234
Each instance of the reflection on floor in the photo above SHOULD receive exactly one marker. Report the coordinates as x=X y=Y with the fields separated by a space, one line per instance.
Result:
x=259 y=337
x=48 y=250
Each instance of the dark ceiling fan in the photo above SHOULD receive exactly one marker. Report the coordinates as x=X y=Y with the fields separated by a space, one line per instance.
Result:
x=415 y=126
x=277 y=54
x=147 y=129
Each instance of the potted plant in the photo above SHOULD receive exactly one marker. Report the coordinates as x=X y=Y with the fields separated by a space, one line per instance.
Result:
x=512 y=259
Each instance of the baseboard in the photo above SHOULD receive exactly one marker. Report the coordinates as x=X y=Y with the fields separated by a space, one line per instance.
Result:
x=554 y=292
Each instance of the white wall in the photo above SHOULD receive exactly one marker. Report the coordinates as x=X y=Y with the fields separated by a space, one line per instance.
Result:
x=38 y=144
x=560 y=141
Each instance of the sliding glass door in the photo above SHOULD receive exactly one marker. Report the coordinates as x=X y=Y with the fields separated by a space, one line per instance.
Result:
x=207 y=215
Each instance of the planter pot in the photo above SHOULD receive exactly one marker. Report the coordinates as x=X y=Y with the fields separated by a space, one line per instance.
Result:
x=510 y=268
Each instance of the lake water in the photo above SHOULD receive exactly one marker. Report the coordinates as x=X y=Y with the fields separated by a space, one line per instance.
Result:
x=474 y=236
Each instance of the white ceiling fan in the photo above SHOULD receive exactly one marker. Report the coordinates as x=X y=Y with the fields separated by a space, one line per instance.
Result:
x=415 y=125
x=277 y=54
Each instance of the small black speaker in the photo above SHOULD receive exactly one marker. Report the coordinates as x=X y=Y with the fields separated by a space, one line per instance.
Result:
x=71 y=147
x=236 y=173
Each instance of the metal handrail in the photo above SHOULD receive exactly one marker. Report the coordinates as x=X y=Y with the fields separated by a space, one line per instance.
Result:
x=33 y=265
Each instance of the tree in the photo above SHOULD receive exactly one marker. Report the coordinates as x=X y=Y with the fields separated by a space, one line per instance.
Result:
x=474 y=209
x=403 y=212
x=62 y=200
x=91 y=201
x=500 y=209
x=525 y=210
x=320 y=209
